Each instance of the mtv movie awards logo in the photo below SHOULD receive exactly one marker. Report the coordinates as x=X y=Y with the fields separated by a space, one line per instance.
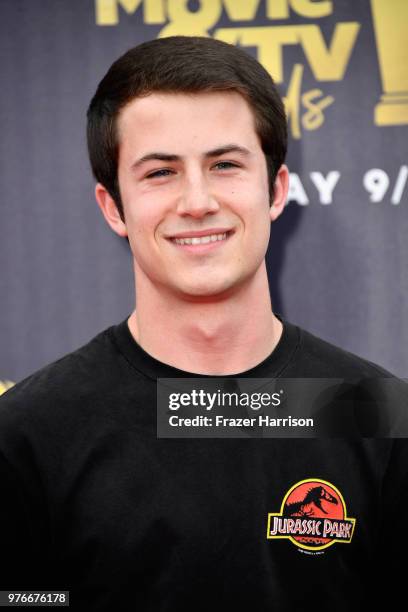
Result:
x=313 y=516
x=326 y=58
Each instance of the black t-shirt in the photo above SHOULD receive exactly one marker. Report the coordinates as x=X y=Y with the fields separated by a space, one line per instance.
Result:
x=94 y=503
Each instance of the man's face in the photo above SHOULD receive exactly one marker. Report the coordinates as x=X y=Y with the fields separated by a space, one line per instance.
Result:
x=194 y=187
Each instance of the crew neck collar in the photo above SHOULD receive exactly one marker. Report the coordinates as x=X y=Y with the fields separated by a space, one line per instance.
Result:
x=272 y=366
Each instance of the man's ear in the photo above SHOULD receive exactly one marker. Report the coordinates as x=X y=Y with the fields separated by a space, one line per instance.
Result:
x=280 y=192
x=110 y=211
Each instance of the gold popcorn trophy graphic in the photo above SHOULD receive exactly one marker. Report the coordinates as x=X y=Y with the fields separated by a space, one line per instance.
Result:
x=390 y=18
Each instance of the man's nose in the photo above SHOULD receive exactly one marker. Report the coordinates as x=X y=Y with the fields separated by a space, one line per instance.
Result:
x=196 y=198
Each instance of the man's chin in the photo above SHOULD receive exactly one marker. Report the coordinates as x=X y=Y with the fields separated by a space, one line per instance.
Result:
x=208 y=292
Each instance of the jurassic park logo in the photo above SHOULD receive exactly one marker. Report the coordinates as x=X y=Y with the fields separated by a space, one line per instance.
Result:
x=313 y=516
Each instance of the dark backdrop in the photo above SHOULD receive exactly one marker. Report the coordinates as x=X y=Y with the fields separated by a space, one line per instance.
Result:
x=338 y=257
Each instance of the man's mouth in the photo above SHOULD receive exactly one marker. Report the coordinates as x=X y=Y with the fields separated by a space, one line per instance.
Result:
x=201 y=239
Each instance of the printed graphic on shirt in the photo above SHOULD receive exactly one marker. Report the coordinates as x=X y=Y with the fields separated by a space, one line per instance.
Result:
x=313 y=516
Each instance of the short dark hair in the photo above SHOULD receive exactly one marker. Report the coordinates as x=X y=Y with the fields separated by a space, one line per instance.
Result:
x=182 y=64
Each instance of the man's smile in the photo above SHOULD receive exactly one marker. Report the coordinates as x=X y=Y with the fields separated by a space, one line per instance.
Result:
x=201 y=240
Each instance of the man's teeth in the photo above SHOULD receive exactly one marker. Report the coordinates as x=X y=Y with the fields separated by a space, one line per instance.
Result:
x=201 y=239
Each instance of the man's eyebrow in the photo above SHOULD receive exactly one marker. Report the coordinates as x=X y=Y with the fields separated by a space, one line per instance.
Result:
x=229 y=148
x=169 y=157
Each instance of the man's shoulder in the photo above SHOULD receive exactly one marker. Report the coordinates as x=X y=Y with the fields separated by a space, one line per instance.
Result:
x=319 y=358
x=85 y=370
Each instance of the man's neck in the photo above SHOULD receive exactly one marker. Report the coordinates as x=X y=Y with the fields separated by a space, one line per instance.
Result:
x=217 y=337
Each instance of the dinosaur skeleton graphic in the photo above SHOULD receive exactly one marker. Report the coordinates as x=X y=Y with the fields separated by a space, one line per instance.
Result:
x=313 y=497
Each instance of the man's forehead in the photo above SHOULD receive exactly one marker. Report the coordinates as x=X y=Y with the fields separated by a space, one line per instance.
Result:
x=160 y=106
x=163 y=114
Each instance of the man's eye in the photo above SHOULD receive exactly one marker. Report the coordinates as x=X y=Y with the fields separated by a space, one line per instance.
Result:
x=159 y=173
x=224 y=165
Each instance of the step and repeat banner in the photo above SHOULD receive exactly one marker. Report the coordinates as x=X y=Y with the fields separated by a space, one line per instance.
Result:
x=338 y=256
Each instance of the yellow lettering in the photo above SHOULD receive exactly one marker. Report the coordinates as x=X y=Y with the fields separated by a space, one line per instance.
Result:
x=241 y=10
x=154 y=11
x=326 y=63
x=308 y=8
x=107 y=11
x=329 y=64
x=277 y=9
x=291 y=100
x=314 y=116
x=185 y=22
x=268 y=40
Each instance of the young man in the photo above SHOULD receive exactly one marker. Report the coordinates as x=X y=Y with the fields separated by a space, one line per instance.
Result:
x=187 y=141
